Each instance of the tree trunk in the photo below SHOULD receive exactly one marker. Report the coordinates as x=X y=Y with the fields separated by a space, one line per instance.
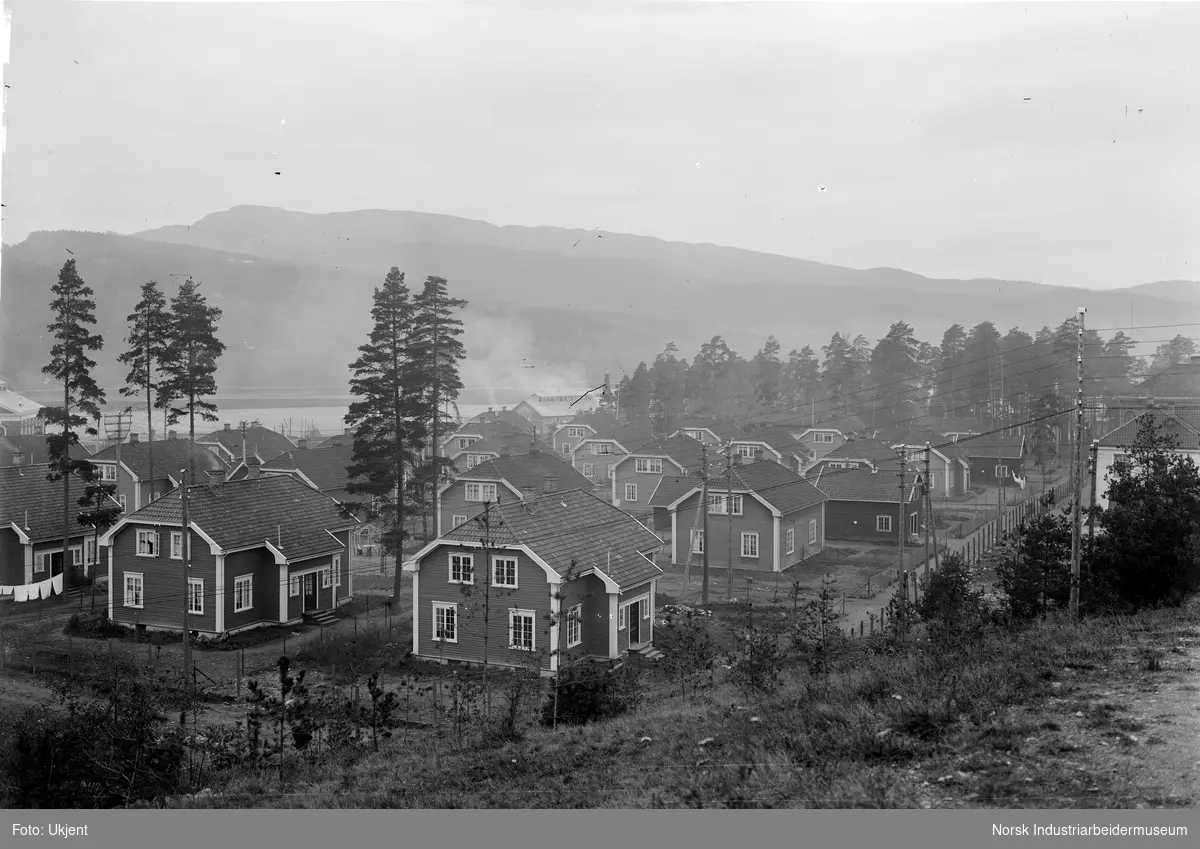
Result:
x=66 y=465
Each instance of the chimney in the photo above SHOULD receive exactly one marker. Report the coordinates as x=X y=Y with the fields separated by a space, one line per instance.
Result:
x=172 y=434
x=737 y=459
x=533 y=446
x=228 y=426
x=874 y=470
x=758 y=455
x=528 y=492
x=550 y=483
x=302 y=443
x=504 y=451
x=18 y=458
x=133 y=438
x=215 y=477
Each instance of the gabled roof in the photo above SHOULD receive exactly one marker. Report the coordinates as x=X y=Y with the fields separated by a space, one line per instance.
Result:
x=556 y=409
x=326 y=468
x=503 y=415
x=562 y=527
x=936 y=441
x=684 y=450
x=1187 y=436
x=170 y=455
x=36 y=448
x=529 y=470
x=516 y=443
x=842 y=424
x=35 y=504
x=866 y=484
x=624 y=434
x=957 y=425
x=871 y=450
x=1008 y=447
x=780 y=439
x=778 y=485
x=1179 y=380
x=486 y=430
x=671 y=489
x=260 y=440
x=724 y=431
x=280 y=510
x=12 y=403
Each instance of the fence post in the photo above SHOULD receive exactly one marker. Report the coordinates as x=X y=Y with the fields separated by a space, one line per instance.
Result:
x=322 y=639
x=860 y=627
x=3 y=660
x=33 y=660
x=110 y=647
x=149 y=655
x=71 y=655
x=239 y=672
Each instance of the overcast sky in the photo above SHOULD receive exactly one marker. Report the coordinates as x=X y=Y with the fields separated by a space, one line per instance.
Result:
x=1041 y=142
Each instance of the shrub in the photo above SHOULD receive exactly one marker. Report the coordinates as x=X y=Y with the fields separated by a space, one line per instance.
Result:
x=588 y=692
x=755 y=664
x=952 y=606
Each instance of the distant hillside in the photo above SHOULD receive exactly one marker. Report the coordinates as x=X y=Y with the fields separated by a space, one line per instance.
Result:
x=549 y=306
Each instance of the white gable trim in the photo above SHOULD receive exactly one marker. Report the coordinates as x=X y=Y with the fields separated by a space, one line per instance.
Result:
x=280 y=558
x=674 y=505
x=609 y=584
x=21 y=535
x=412 y=564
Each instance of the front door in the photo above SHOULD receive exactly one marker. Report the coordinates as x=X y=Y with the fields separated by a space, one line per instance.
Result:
x=310 y=591
x=635 y=617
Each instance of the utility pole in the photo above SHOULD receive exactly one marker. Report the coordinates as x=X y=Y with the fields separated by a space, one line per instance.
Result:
x=927 y=507
x=900 y=516
x=487 y=598
x=704 y=531
x=1077 y=473
x=187 y=587
x=1092 y=469
x=729 y=516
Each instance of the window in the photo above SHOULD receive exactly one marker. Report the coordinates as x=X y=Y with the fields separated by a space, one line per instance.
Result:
x=631 y=492
x=77 y=556
x=697 y=541
x=243 y=593
x=789 y=541
x=1122 y=458
x=566 y=448
x=504 y=572
x=445 y=622
x=835 y=465
x=147 y=543
x=589 y=470
x=933 y=481
x=575 y=432
x=462 y=567
x=133 y=589
x=1002 y=471
x=196 y=596
x=481 y=492
x=645 y=603
x=823 y=436
x=812 y=531
x=852 y=465
x=326 y=579
x=746 y=451
x=883 y=523
x=108 y=473
x=594 y=448
x=176 y=545
x=455 y=521
x=39 y=562
x=465 y=442
x=622 y=617
x=472 y=461
x=574 y=626
x=716 y=504
x=90 y=550
x=605 y=448
x=648 y=466
x=520 y=630
x=337 y=570
x=749 y=545
x=695 y=434
x=121 y=500
x=913 y=524
x=294 y=585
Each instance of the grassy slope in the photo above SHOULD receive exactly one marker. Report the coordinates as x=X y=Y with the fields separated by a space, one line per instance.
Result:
x=1058 y=716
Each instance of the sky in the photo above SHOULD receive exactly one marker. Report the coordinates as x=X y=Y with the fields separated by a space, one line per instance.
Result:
x=1044 y=142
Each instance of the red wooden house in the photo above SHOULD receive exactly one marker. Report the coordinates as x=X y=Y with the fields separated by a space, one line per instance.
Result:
x=636 y=475
x=870 y=505
x=562 y=576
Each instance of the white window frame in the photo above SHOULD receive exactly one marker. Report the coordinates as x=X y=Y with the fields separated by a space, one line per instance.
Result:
x=90 y=550
x=750 y=551
x=496 y=561
x=574 y=626
x=194 y=596
x=914 y=524
x=648 y=465
x=465 y=560
x=835 y=465
x=137 y=582
x=594 y=449
x=1122 y=458
x=697 y=540
x=176 y=545
x=472 y=461
x=823 y=437
x=39 y=562
x=852 y=465
x=337 y=570
x=326 y=579
x=121 y=501
x=293 y=586
x=447 y=631
x=698 y=435
x=746 y=451
x=812 y=531
x=455 y=521
x=243 y=586
x=717 y=502
x=566 y=448
x=1001 y=471
x=144 y=535
x=622 y=617
x=483 y=489
x=465 y=442
x=108 y=472
x=789 y=541
x=589 y=471
x=77 y=555
x=575 y=433
x=631 y=488
x=513 y=615
x=883 y=524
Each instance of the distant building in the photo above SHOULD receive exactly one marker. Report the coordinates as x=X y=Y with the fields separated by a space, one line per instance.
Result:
x=132 y=475
x=232 y=444
x=18 y=414
x=1114 y=446
x=546 y=411
x=1176 y=389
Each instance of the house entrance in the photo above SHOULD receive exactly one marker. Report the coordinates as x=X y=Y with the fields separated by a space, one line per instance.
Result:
x=310 y=591
x=634 y=615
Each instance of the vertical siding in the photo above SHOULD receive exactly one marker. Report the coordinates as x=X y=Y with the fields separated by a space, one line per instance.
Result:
x=799 y=522
x=532 y=593
x=454 y=502
x=326 y=597
x=755 y=519
x=163 y=593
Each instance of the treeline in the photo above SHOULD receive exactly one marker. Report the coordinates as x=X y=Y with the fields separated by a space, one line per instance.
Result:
x=997 y=379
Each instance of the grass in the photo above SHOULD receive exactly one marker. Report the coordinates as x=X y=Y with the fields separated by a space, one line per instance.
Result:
x=898 y=724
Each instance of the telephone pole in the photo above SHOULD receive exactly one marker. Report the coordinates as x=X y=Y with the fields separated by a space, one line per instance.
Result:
x=187 y=587
x=1077 y=473
x=704 y=530
x=1092 y=469
x=729 y=516
x=900 y=518
x=927 y=508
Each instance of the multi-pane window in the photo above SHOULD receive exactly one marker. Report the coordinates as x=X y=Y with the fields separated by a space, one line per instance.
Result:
x=176 y=545
x=77 y=556
x=717 y=504
x=631 y=492
x=90 y=550
x=147 y=543
x=589 y=470
x=697 y=541
x=504 y=572
x=575 y=626
x=749 y=544
x=472 y=461
x=789 y=541
x=883 y=523
x=39 y=562
x=1002 y=471
x=455 y=521
x=520 y=629
x=445 y=622
x=648 y=465
x=695 y=434
x=326 y=579
x=243 y=593
x=746 y=451
x=461 y=569
x=822 y=436
x=812 y=531
x=133 y=589
x=575 y=432
x=594 y=449
x=108 y=472
x=566 y=448
x=913 y=523
x=337 y=570
x=481 y=492
x=195 y=596
x=294 y=585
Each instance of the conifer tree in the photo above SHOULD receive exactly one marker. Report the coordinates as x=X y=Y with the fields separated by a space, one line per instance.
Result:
x=74 y=312
x=149 y=327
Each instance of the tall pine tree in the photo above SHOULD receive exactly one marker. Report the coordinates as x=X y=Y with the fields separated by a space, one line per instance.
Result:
x=387 y=417
x=149 y=331
x=189 y=367
x=74 y=312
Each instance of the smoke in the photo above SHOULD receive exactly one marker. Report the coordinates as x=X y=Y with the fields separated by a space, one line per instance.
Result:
x=505 y=363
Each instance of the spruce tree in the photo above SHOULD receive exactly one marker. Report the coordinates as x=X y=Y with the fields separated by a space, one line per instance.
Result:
x=74 y=313
x=387 y=417
x=149 y=327
x=189 y=366
x=439 y=350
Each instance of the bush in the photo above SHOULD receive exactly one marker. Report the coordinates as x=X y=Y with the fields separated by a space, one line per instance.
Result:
x=755 y=665
x=952 y=606
x=587 y=692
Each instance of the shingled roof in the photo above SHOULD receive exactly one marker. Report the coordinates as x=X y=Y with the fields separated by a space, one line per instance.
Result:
x=566 y=527
x=776 y=484
x=529 y=470
x=1187 y=437
x=937 y=441
x=260 y=440
x=35 y=504
x=671 y=489
x=325 y=467
x=989 y=445
x=865 y=484
x=780 y=439
x=684 y=450
x=36 y=448
x=170 y=455
x=722 y=430
x=281 y=510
